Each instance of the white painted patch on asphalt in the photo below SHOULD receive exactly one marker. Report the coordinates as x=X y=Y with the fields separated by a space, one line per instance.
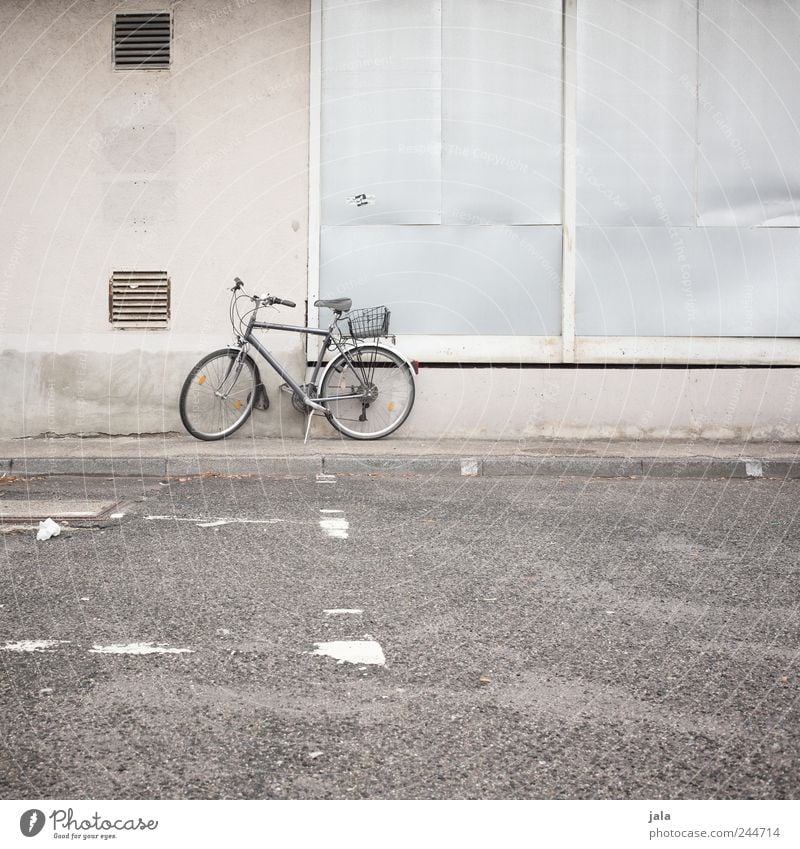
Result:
x=753 y=468
x=352 y=651
x=323 y=478
x=117 y=515
x=343 y=611
x=336 y=526
x=211 y=522
x=469 y=468
x=138 y=648
x=33 y=645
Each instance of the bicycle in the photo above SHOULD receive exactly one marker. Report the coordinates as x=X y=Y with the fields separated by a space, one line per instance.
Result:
x=366 y=391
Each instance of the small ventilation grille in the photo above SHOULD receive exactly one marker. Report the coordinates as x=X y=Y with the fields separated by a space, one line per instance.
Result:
x=138 y=299
x=142 y=41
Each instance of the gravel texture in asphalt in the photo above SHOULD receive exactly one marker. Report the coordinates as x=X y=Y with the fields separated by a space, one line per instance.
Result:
x=543 y=637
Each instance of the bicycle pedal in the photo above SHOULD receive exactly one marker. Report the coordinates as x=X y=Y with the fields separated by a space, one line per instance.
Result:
x=262 y=399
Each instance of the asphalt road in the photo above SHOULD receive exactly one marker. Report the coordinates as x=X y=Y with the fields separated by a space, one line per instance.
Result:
x=542 y=637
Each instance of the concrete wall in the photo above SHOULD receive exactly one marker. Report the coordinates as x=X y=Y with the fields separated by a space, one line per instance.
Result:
x=200 y=170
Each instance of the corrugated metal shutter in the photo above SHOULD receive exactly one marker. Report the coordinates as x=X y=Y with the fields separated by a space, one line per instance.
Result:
x=142 y=40
x=139 y=299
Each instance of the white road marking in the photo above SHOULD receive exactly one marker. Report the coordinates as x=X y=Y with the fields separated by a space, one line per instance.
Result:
x=117 y=515
x=33 y=645
x=352 y=651
x=334 y=526
x=323 y=478
x=343 y=611
x=138 y=648
x=469 y=468
x=206 y=522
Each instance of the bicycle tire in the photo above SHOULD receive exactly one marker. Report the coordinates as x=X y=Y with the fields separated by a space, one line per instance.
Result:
x=389 y=377
x=205 y=414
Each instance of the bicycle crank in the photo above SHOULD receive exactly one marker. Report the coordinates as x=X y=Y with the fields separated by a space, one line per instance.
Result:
x=298 y=403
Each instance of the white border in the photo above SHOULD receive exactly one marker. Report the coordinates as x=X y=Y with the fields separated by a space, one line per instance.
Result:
x=314 y=169
x=569 y=180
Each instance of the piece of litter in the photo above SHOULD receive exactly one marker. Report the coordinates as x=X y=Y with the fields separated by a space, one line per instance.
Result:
x=753 y=468
x=469 y=468
x=223 y=632
x=343 y=611
x=323 y=478
x=84 y=598
x=46 y=691
x=484 y=680
x=784 y=679
x=47 y=529
x=352 y=651
x=315 y=754
x=117 y=515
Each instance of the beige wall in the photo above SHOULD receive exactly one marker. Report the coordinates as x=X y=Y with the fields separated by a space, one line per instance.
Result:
x=201 y=170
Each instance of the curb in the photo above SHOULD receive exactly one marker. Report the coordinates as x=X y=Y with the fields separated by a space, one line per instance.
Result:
x=498 y=466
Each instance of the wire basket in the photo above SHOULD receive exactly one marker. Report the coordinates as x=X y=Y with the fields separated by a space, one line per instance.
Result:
x=369 y=322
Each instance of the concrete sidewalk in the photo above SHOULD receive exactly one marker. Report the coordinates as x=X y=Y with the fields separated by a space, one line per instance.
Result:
x=166 y=455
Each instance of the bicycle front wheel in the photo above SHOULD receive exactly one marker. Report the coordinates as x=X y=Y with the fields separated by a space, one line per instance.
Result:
x=218 y=395
x=368 y=392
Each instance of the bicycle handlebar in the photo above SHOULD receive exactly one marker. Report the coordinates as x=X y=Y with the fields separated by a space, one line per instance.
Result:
x=267 y=300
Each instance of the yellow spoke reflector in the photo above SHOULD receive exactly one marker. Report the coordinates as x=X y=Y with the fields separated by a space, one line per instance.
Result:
x=238 y=405
x=391 y=406
x=202 y=380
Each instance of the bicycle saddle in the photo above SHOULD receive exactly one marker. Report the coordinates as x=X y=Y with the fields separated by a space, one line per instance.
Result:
x=338 y=304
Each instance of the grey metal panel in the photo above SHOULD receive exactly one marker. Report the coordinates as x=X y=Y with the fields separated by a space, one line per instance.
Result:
x=749 y=108
x=636 y=111
x=381 y=111
x=449 y=279
x=502 y=121
x=718 y=281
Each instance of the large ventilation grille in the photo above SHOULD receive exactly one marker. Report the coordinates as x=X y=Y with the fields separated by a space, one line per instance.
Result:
x=139 y=299
x=142 y=41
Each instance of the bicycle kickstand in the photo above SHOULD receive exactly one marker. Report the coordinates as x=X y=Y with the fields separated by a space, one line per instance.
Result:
x=309 y=417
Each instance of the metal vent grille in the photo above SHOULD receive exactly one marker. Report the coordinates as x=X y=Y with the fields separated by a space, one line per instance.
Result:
x=139 y=299
x=143 y=40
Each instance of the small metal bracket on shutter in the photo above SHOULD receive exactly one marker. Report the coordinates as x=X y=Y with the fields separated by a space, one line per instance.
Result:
x=139 y=299
x=142 y=41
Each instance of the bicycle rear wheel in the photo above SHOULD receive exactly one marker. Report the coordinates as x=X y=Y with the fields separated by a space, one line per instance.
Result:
x=218 y=394
x=374 y=390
